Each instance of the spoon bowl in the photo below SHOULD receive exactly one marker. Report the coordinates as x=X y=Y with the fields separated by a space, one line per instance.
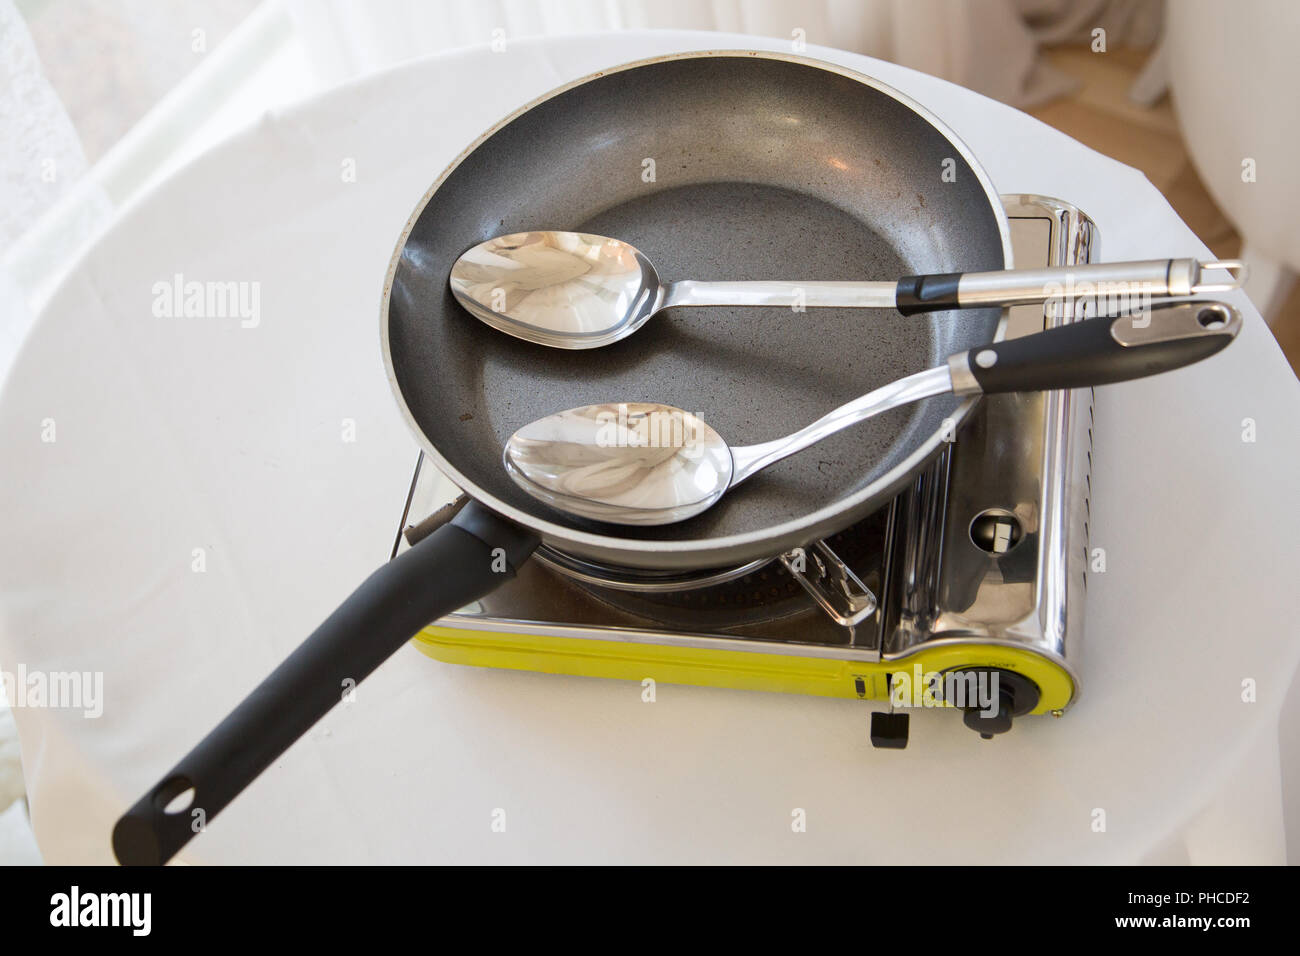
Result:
x=569 y=290
x=637 y=463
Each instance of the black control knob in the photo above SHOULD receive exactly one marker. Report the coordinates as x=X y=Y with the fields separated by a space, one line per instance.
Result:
x=1016 y=695
x=985 y=723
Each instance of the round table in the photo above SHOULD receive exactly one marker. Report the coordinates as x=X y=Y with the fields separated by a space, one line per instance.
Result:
x=186 y=498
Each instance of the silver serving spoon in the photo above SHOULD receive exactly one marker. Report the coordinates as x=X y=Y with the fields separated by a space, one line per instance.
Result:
x=572 y=290
x=648 y=464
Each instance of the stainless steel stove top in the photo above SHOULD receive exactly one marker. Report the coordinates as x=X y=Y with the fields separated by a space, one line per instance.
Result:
x=988 y=545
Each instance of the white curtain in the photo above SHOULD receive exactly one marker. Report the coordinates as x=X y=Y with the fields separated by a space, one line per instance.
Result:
x=40 y=152
x=987 y=45
x=41 y=164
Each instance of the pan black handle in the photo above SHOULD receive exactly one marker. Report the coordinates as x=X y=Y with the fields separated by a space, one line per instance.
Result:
x=1167 y=336
x=459 y=563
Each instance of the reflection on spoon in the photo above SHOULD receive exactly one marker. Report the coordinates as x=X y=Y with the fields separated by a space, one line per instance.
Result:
x=622 y=462
x=566 y=286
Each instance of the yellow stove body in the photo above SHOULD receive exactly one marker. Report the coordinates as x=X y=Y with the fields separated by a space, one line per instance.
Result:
x=783 y=672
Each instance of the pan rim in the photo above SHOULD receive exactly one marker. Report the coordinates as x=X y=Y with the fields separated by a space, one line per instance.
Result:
x=630 y=547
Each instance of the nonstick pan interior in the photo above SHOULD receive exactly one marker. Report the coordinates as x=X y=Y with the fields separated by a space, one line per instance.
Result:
x=763 y=168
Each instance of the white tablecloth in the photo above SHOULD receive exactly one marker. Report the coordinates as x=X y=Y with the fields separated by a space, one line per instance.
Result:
x=180 y=434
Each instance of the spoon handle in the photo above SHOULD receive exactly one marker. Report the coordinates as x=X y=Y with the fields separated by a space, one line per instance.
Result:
x=1120 y=281
x=1098 y=351
x=748 y=460
x=1123 y=283
x=789 y=295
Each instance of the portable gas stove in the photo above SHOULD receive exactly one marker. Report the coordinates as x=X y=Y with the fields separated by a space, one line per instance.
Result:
x=978 y=569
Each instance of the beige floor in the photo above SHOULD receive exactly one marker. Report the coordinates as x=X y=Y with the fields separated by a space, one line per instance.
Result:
x=1101 y=115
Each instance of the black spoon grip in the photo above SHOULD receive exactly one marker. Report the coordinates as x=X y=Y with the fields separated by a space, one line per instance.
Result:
x=1099 y=351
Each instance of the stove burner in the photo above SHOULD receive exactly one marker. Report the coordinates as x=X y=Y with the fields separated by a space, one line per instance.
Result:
x=640 y=579
x=718 y=599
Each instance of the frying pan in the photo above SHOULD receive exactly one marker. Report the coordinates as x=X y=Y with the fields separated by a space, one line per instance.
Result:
x=732 y=165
